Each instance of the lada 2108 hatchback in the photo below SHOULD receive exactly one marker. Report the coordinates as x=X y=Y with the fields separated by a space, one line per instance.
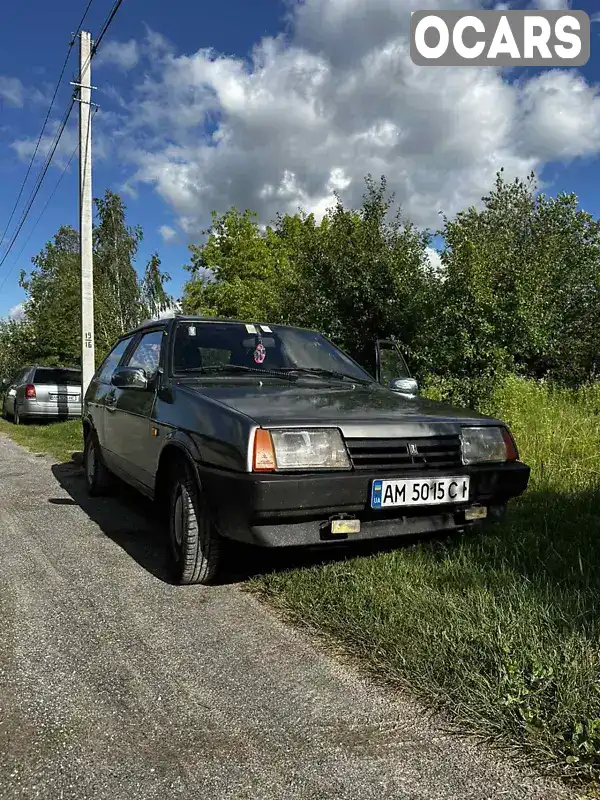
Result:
x=270 y=434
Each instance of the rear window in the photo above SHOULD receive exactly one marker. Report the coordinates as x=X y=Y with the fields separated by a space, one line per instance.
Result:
x=64 y=377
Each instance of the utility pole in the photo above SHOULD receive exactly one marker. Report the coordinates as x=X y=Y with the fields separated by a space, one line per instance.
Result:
x=85 y=211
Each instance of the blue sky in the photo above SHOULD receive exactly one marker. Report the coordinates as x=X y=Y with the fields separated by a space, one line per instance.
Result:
x=206 y=105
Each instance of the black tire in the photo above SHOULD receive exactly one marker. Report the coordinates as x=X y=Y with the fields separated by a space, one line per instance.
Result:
x=195 y=544
x=16 y=416
x=98 y=479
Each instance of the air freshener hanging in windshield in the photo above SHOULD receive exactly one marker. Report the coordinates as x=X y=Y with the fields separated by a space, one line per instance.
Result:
x=260 y=353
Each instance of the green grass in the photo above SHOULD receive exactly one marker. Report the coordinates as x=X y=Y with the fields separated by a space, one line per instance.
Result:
x=500 y=629
x=59 y=439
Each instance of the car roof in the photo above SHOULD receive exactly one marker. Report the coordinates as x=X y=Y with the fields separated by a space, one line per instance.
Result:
x=165 y=322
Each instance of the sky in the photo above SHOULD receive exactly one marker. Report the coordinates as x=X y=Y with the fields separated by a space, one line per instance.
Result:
x=274 y=105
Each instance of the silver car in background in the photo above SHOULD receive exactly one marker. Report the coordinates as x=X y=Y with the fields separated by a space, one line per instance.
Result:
x=43 y=393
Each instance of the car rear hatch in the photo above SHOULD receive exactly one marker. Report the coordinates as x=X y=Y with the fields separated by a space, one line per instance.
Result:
x=58 y=387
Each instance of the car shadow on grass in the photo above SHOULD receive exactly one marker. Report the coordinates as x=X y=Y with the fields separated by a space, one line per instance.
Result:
x=131 y=521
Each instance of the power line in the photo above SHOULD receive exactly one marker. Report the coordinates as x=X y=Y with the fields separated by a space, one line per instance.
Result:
x=38 y=184
x=60 y=132
x=42 y=212
x=106 y=26
x=61 y=129
x=50 y=107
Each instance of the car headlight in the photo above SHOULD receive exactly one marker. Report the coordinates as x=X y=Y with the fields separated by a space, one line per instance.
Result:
x=293 y=449
x=487 y=444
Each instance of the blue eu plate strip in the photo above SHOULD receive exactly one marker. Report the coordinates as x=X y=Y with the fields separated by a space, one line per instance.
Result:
x=376 y=494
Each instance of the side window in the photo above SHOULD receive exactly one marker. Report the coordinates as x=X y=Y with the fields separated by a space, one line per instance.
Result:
x=112 y=360
x=146 y=355
x=391 y=363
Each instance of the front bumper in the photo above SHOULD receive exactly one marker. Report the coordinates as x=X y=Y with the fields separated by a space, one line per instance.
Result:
x=289 y=510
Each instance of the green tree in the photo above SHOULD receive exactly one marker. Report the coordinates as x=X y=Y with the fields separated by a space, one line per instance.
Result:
x=52 y=307
x=121 y=299
x=154 y=296
x=355 y=276
x=238 y=271
x=363 y=275
x=117 y=293
x=17 y=346
x=520 y=288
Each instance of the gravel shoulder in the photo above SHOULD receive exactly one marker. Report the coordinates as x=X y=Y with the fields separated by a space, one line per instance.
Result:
x=115 y=684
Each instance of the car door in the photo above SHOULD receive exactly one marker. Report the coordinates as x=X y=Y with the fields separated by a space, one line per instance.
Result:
x=11 y=393
x=129 y=411
x=18 y=389
x=100 y=387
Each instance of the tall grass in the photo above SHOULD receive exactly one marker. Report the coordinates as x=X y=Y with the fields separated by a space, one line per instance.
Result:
x=500 y=628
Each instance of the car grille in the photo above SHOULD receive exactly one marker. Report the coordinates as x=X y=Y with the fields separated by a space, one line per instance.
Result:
x=439 y=452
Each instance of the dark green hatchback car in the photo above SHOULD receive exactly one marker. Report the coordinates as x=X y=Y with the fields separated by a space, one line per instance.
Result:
x=270 y=434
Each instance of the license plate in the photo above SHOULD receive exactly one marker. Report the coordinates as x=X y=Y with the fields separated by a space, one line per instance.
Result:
x=420 y=492
x=65 y=398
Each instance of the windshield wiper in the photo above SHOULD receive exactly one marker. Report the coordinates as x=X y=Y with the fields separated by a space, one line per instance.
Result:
x=328 y=373
x=240 y=368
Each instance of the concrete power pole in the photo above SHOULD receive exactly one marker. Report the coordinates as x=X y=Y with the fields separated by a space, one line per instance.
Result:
x=85 y=211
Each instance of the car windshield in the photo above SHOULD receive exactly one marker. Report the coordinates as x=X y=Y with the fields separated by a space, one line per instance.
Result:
x=238 y=348
x=53 y=376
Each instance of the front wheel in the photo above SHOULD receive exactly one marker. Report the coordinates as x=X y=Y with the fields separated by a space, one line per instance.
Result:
x=97 y=476
x=194 y=541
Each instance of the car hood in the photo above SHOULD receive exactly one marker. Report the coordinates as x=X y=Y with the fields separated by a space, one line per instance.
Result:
x=360 y=411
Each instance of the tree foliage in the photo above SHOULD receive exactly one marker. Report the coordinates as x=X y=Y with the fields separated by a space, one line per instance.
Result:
x=521 y=287
x=355 y=276
x=122 y=300
x=517 y=290
x=53 y=306
x=239 y=271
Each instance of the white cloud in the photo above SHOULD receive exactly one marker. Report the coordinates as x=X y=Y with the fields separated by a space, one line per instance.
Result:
x=168 y=233
x=17 y=312
x=25 y=147
x=124 y=55
x=102 y=140
x=339 y=98
x=561 y=116
x=434 y=259
x=551 y=5
x=12 y=91
x=171 y=311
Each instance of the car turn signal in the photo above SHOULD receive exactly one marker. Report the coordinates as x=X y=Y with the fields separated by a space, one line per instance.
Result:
x=264 y=452
x=512 y=454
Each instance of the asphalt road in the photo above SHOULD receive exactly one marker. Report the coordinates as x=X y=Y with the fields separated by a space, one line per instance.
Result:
x=115 y=684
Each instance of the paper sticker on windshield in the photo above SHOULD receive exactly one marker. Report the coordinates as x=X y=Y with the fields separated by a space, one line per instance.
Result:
x=266 y=329
x=260 y=354
x=192 y=330
x=251 y=329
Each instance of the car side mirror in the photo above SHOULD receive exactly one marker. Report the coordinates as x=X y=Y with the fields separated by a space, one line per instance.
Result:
x=406 y=386
x=129 y=378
